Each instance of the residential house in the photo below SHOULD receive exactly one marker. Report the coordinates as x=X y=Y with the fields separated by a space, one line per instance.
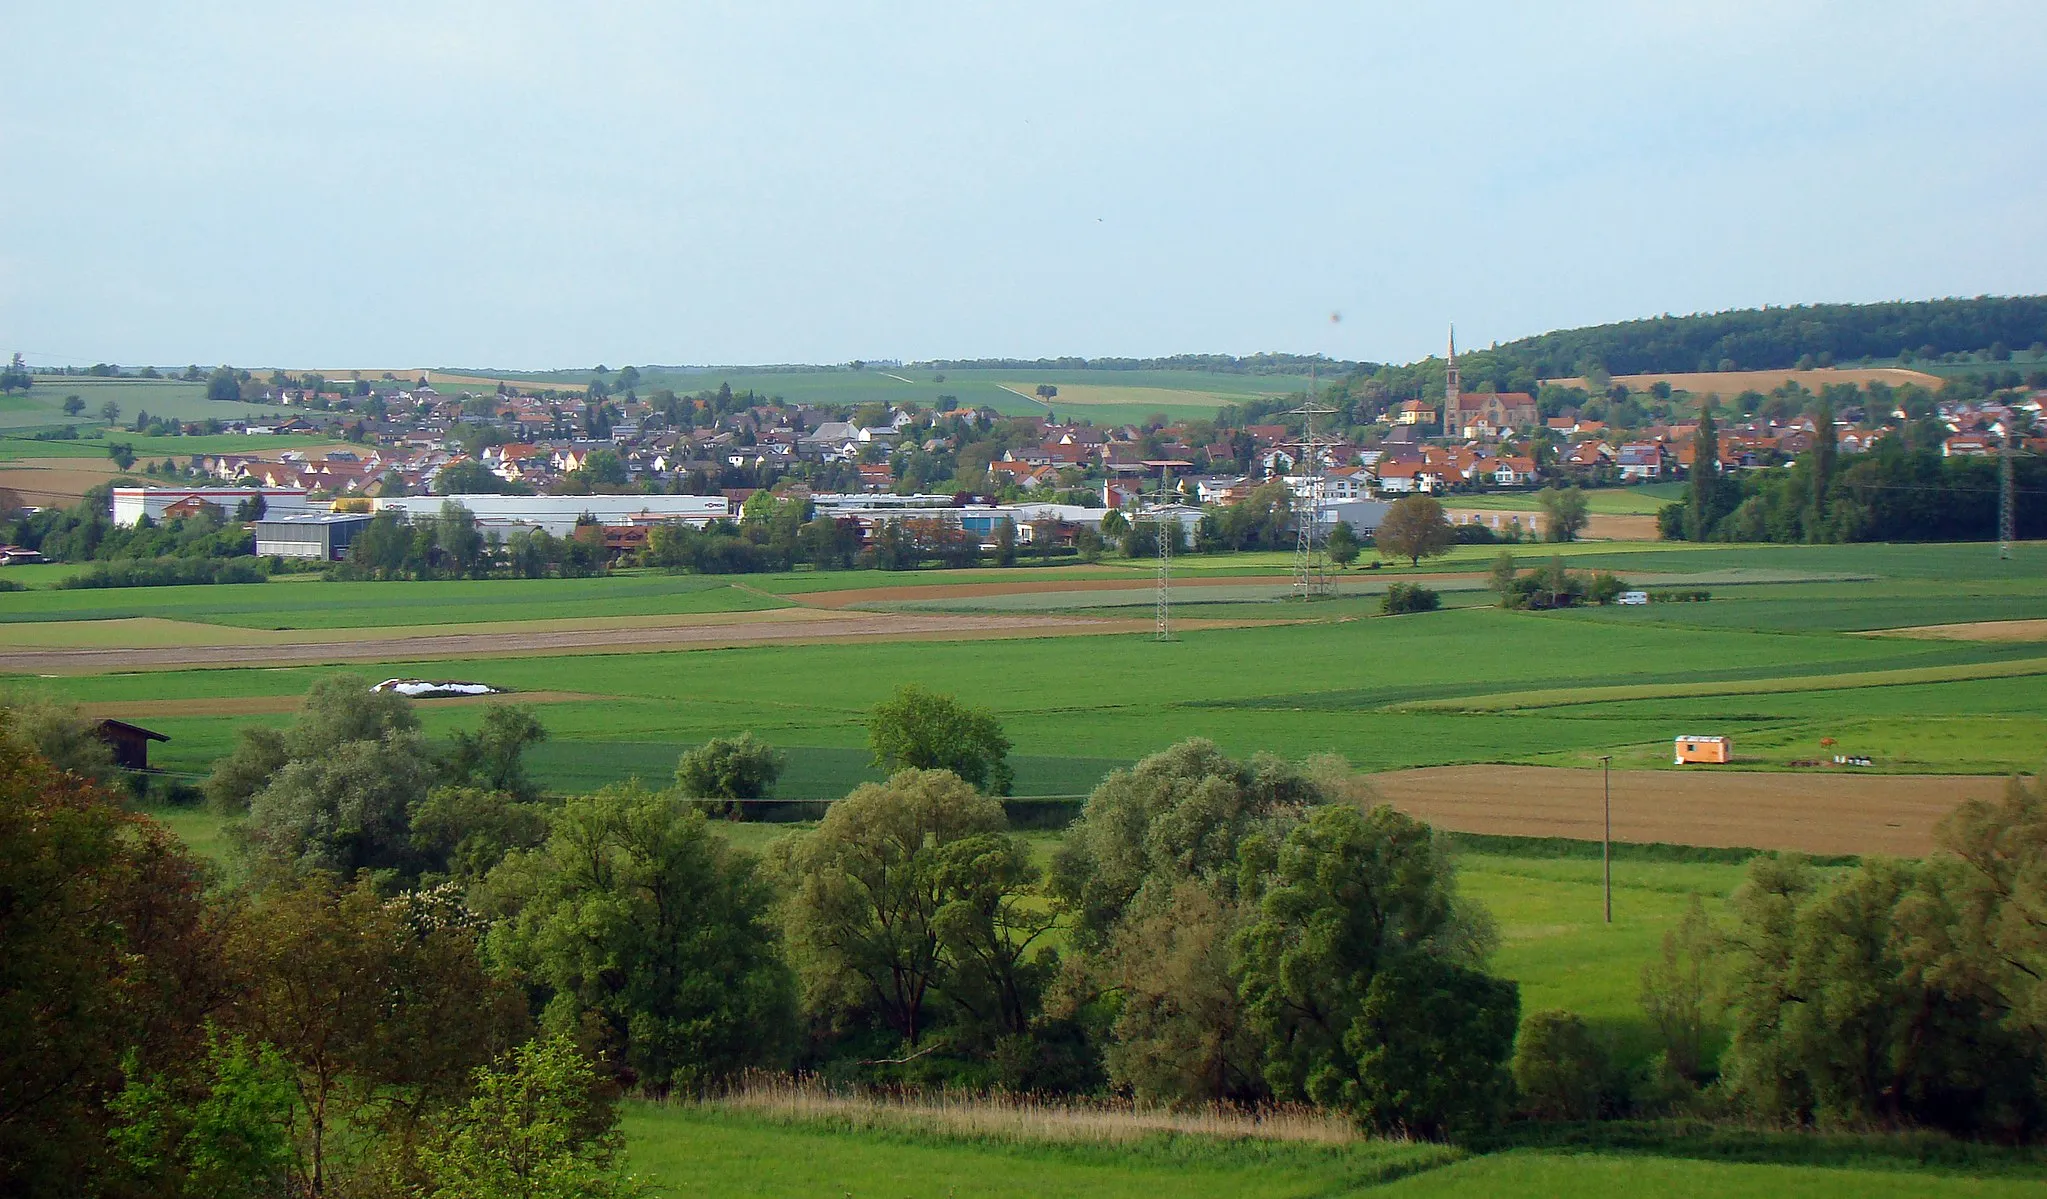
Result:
x=1642 y=460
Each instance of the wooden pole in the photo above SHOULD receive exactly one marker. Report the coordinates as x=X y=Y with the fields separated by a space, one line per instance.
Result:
x=1606 y=838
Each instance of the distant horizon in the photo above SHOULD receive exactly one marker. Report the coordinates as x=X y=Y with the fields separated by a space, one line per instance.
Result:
x=529 y=185
x=1018 y=361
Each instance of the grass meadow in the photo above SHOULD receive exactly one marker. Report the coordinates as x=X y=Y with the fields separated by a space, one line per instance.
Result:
x=43 y=404
x=92 y=443
x=708 y=1150
x=1101 y=396
x=1470 y=684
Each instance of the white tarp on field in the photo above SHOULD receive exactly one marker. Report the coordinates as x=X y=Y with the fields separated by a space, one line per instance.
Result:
x=424 y=689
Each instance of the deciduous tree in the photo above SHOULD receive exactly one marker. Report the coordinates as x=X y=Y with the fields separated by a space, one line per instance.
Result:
x=1414 y=528
x=744 y=767
x=924 y=730
x=869 y=892
x=641 y=922
x=541 y=1124
x=1353 y=894
x=1564 y=512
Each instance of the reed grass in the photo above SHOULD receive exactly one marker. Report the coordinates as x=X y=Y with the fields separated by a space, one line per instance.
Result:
x=1022 y=1119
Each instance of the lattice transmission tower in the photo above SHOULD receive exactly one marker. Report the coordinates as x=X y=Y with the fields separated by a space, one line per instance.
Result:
x=2007 y=523
x=1164 y=514
x=1311 y=558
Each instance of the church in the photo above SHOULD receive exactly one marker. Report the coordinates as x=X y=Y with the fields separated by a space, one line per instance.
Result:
x=1482 y=417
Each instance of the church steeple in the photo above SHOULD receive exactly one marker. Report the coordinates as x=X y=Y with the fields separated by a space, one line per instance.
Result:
x=1450 y=385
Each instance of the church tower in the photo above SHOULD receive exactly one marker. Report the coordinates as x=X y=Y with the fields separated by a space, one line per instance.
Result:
x=1450 y=388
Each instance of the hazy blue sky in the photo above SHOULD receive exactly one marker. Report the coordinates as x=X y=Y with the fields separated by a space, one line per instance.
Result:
x=517 y=185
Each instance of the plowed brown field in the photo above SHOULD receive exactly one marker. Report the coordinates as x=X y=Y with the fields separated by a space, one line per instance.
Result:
x=1811 y=813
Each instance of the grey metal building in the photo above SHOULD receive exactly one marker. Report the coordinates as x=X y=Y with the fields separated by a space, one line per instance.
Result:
x=322 y=535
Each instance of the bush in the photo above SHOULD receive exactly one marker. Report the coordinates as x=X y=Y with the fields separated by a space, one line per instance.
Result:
x=1473 y=533
x=1410 y=597
x=165 y=572
x=727 y=769
x=1560 y=1067
x=1679 y=597
x=11 y=585
x=1605 y=587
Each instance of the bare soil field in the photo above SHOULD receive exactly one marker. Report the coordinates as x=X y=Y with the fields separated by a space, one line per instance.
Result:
x=1599 y=526
x=361 y=645
x=1981 y=630
x=1823 y=813
x=1732 y=383
x=55 y=482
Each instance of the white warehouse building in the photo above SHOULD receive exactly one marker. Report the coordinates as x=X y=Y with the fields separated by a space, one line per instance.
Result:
x=131 y=504
x=558 y=514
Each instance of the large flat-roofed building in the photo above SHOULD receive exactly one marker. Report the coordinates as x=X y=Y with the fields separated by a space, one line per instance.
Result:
x=322 y=536
x=558 y=514
x=131 y=504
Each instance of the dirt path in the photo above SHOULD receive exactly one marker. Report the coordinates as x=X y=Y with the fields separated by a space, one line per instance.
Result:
x=1981 y=630
x=313 y=650
x=264 y=705
x=1811 y=813
x=948 y=591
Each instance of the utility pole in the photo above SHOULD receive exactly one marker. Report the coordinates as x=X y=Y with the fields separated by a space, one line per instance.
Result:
x=1606 y=838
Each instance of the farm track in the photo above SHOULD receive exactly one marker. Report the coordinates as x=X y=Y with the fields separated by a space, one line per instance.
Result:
x=949 y=591
x=1816 y=812
x=1979 y=630
x=267 y=705
x=315 y=650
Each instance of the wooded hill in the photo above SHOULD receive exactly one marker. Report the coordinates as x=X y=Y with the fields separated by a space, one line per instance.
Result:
x=1782 y=338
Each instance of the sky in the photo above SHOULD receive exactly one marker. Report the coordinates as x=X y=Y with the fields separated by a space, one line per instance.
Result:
x=515 y=185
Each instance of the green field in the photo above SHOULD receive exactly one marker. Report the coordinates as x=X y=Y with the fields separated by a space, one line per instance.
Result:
x=831 y=386
x=92 y=442
x=43 y=404
x=697 y=1151
x=309 y=602
x=1765 y=662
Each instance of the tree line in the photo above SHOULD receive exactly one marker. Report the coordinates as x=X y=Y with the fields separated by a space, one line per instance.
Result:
x=1904 y=489
x=1781 y=338
x=425 y=958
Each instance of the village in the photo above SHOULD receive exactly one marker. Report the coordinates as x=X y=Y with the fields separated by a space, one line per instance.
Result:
x=539 y=458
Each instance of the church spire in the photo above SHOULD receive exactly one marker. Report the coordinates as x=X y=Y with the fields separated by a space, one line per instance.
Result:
x=1450 y=385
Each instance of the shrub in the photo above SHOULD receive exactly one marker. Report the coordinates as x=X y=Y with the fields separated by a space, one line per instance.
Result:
x=1560 y=1067
x=165 y=572
x=1410 y=597
x=727 y=769
x=11 y=585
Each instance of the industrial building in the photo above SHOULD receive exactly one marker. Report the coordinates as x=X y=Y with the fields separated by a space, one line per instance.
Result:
x=323 y=536
x=131 y=504
x=558 y=514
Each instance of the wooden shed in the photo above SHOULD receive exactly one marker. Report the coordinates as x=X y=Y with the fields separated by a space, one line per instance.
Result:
x=1692 y=751
x=130 y=743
